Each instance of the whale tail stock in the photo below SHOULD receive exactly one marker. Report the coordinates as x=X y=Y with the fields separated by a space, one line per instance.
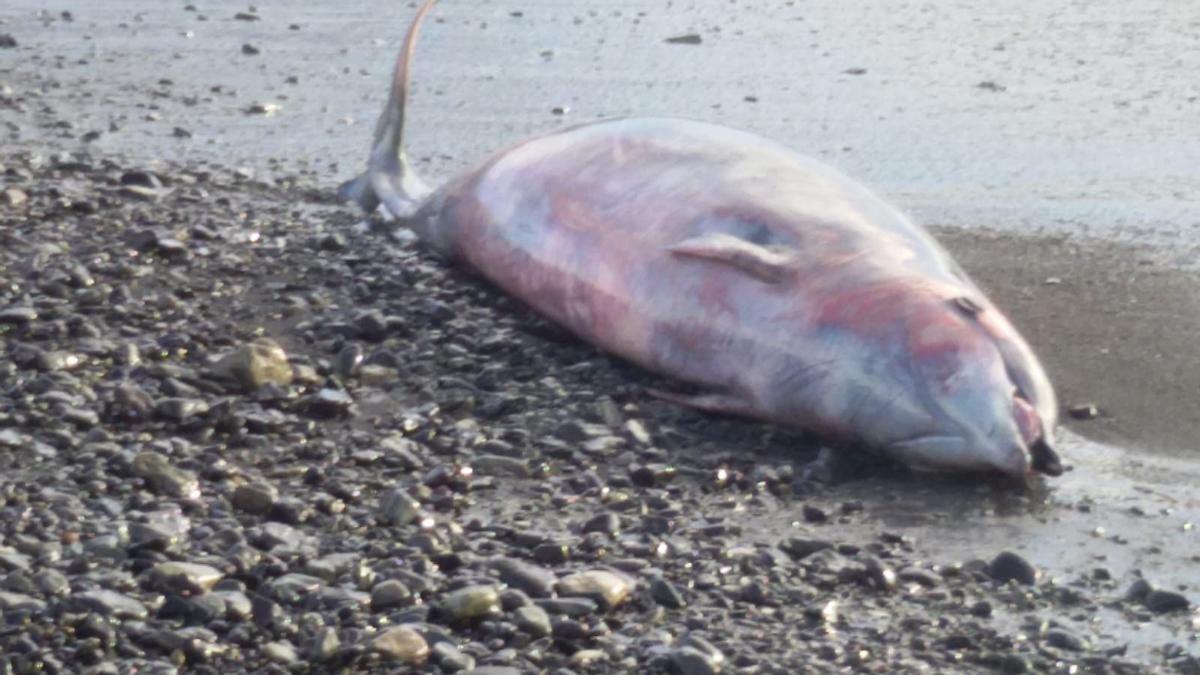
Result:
x=389 y=179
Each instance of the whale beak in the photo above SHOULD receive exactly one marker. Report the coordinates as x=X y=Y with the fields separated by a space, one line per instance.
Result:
x=1045 y=459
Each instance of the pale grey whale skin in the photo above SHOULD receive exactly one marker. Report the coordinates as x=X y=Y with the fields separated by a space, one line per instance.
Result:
x=788 y=291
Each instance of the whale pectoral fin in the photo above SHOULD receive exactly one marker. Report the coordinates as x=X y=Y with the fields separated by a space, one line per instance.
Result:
x=713 y=402
x=766 y=265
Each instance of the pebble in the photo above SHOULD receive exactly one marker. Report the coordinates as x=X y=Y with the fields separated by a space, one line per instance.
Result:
x=533 y=620
x=323 y=645
x=1062 y=639
x=184 y=576
x=397 y=507
x=254 y=365
x=16 y=602
x=451 y=659
x=256 y=498
x=163 y=477
x=1161 y=601
x=329 y=403
x=401 y=644
x=110 y=603
x=573 y=607
x=534 y=580
x=1009 y=566
x=692 y=661
x=280 y=652
x=180 y=409
x=606 y=523
x=800 y=548
x=389 y=594
x=472 y=603
x=666 y=594
x=18 y=315
x=609 y=588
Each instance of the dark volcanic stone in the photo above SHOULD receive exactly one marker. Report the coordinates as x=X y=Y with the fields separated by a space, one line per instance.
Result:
x=1009 y=566
x=666 y=594
x=1160 y=601
x=1057 y=637
x=608 y=523
x=329 y=403
x=536 y=581
x=800 y=548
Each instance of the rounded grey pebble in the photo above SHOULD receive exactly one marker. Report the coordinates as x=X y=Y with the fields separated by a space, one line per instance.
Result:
x=533 y=620
x=388 y=594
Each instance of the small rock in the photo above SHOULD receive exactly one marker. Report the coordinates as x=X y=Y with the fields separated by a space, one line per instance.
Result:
x=608 y=523
x=18 y=315
x=533 y=620
x=814 y=514
x=800 y=548
x=256 y=498
x=609 y=588
x=110 y=603
x=264 y=109
x=183 y=576
x=1057 y=637
x=535 y=580
x=162 y=476
x=323 y=645
x=471 y=603
x=1009 y=566
x=372 y=325
x=1160 y=601
x=397 y=507
x=574 y=607
x=666 y=594
x=1138 y=590
x=180 y=409
x=1084 y=411
x=389 y=594
x=401 y=644
x=54 y=361
x=280 y=652
x=329 y=403
x=685 y=39
x=692 y=661
x=250 y=50
x=256 y=364
x=451 y=659
x=18 y=602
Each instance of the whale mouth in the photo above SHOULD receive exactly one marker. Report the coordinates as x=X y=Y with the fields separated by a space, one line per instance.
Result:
x=946 y=452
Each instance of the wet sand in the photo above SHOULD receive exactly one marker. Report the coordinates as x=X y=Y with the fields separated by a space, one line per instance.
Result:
x=1115 y=327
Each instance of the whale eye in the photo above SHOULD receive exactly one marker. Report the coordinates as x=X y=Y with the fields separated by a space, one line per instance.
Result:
x=966 y=305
